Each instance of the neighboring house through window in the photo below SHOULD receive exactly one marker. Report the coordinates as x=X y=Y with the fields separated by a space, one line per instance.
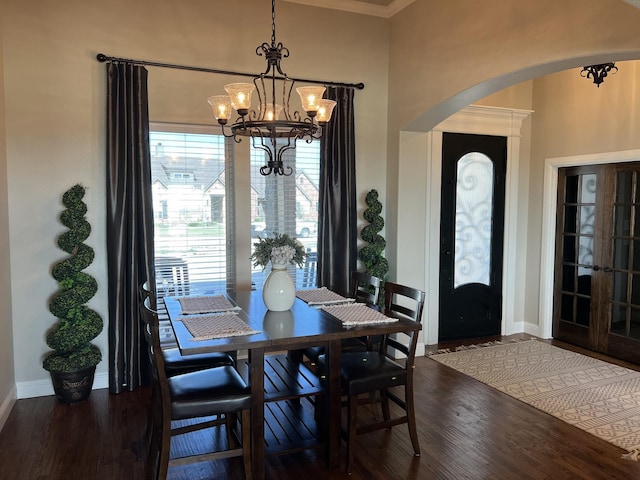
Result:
x=190 y=191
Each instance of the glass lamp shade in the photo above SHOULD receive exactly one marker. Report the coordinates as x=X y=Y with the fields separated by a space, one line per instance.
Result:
x=310 y=97
x=221 y=106
x=240 y=94
x=271 y=113
x=325 y=110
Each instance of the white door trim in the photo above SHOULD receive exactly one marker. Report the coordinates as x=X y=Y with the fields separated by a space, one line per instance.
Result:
x=478 y=120
x=548 y=240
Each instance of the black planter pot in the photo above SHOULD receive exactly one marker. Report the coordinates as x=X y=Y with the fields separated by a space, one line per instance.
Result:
x=73 y=387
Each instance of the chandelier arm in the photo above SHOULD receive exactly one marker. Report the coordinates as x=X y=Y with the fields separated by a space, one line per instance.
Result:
x=258 y=143
x=286 y=97
x=262 y=98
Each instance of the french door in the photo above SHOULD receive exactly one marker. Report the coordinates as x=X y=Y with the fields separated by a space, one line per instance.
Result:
x=597 y=265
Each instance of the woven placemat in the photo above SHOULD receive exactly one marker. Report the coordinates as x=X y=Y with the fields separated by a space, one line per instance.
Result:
x=357 y=314
x=322 y=296
x=206 y=304
x=220 y=325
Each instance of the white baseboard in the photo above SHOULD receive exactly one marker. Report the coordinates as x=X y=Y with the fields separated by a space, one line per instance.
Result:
x=44 y=387
x=534 y=330
x=7 y=405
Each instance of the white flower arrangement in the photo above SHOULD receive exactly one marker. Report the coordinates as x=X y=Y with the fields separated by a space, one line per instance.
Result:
x=282 y=255
x=279 y=249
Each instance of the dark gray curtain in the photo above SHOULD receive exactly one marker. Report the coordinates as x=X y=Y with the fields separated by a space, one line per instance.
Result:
x=337 y=233
x=129 y=221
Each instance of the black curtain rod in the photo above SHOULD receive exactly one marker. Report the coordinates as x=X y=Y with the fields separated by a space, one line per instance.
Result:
x=103 y=58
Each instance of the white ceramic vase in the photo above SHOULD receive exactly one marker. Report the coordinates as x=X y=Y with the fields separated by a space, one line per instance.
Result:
x=278 y=291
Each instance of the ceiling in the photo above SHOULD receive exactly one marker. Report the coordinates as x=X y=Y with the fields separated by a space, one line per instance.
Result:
x=378 y=8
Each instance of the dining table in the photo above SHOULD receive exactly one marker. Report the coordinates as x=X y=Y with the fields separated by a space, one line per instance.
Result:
x=306 y=324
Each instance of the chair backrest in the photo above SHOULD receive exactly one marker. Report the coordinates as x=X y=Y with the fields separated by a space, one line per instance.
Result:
x=145 y=291
x=172 y=276
x=365 y=288
x=310 y=270
x=403 y=302
x=156 y=358
x=150 y=320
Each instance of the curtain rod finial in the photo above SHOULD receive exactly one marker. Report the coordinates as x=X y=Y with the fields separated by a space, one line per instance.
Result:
x=101 y=57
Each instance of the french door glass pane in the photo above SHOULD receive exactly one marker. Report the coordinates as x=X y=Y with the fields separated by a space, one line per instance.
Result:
x=578 y=235
x=586 y=227
x=618 y=319
x=620 y=253
x=634 y=330
x=568 y=278
x=635 y=290
x=619 y=288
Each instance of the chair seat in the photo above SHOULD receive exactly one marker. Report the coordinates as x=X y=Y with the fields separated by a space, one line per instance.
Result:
x=176 y=364
x=348 y=345
x=208 y=392
x=368 y=371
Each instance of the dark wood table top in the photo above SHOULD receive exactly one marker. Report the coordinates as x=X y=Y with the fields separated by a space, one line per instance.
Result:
x=302 y=324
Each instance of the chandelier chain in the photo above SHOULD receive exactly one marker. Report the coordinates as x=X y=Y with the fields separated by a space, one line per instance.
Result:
x=273 y=23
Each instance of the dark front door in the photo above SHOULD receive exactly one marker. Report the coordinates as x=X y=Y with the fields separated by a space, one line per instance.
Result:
x=597 y=267
x=471 y=235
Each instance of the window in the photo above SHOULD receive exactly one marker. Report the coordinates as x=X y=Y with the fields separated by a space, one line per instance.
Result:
x=188 y=185
x=194 y=212
x=288 y=204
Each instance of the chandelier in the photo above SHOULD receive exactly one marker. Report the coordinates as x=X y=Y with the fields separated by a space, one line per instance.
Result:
x=598 y=72
x=268 y=132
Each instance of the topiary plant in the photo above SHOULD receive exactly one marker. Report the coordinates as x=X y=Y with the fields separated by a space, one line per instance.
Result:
x=371 y=254
x=77 y=324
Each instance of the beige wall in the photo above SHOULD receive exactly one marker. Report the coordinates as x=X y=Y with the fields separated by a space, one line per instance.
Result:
x=574 y=117
x=7 y=380
x=432 y=59
x=461 y=60
x=55 y=113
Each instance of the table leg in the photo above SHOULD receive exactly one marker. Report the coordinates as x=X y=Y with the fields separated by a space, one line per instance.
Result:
x=256 y=379
x=334 y=403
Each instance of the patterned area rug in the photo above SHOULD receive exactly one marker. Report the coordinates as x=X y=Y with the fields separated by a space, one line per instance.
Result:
x=598 y=397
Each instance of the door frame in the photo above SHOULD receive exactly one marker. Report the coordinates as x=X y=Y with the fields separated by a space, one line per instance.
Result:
x=548 y=239
x=480 y=120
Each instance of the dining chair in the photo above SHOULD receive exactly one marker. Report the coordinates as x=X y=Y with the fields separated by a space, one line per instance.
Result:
x=211 y=398
x=172 y=276
x=167 y=338
x=365 y=288
x=176 y=363
x=376 y=372
x=310 y=270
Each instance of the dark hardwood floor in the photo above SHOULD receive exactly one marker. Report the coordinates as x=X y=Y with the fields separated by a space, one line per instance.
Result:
x=467 y=431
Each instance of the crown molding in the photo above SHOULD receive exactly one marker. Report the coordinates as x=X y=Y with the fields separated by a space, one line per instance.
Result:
x=360 y=7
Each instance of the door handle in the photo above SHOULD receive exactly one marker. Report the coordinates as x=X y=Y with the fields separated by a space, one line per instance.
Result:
x=604 y=269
